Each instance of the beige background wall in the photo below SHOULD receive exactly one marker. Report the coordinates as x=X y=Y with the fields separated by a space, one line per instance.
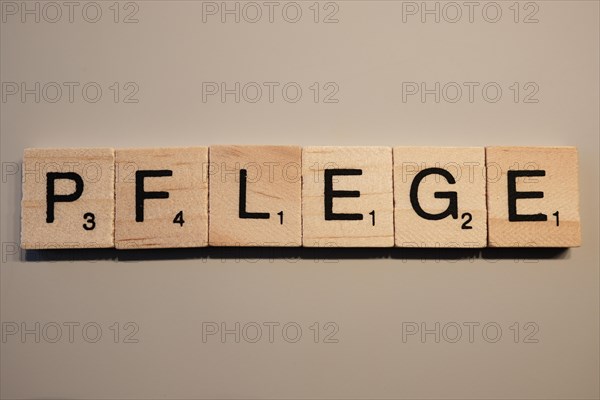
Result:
x=370 y=57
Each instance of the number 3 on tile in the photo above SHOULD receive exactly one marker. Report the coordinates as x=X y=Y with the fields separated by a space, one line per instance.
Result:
x=90 y=221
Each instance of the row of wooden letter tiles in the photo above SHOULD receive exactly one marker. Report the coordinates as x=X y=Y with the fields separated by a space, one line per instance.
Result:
x=300 y=196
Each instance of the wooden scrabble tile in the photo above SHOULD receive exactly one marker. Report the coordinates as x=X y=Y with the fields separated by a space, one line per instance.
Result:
x=255 y=196
x=347 y=198
x=161 y=198
x=533 y=197
x=439 y=197
x=68 y=198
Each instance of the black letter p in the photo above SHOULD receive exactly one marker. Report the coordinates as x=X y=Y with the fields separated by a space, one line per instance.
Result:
x=52 y=197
